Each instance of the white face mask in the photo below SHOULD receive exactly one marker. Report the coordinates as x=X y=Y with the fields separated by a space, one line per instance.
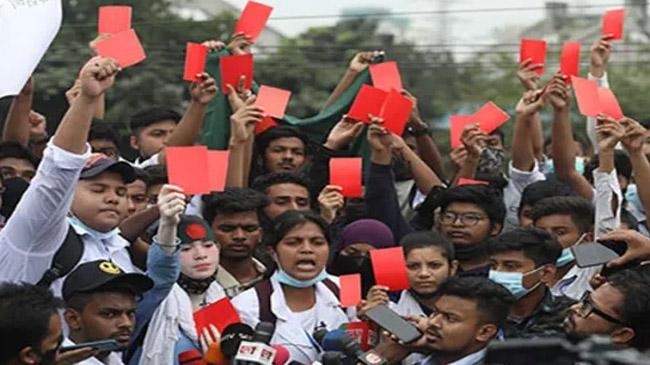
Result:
x=81 y=226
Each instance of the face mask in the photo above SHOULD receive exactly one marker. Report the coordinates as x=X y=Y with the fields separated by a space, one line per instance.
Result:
x=75 y=222
x=466 y=253
x=513 y=281
x=567 y=255
x=344 y=265
x=286 y=279
x=492 y=161
x=194 y=286
x=549 y=168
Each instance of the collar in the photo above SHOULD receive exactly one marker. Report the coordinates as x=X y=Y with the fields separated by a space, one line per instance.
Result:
x=324 y=297
x=475 y=358
x=230 y=283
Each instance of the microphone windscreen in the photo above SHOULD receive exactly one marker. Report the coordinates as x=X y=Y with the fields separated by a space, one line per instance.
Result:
x=232 y=337
x=281 y=355
x=214 y=356
x=332 y=340
x=263 y=332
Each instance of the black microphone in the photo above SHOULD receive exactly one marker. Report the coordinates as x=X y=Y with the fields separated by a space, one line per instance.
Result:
x=263 y=332
x=232 y=337
x=332 y=358
x=257 y=350
x=351 y=348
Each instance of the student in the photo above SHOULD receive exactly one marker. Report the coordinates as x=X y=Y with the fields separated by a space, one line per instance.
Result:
x=523 y=261
x=234 y=215
x=157 y=178
x=17 y=161
x=536 y=192
x=285 y=191
x=571 y=220
x=103 y=139
x=150 y=131
x=281 y=149
x=136 y=192
x=300 y=296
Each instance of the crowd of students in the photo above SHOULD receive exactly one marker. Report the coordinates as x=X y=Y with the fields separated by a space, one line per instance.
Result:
x=94 y=247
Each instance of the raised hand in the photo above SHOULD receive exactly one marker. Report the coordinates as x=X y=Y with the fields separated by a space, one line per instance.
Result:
x=214 y=45
x=599 y=55
x=171 y=204
x=37 y=124
x=527 y=75
x=635 y=135
x=608 y=133
x=377 y=295
x=205 y=90
x=557 y=93
x=240 y=44
x=458 y=156
x=362 y=60
x=242 y=122
x=474 y=140
x=97 y=76
x=638 y=246
x=380 y=139
x=530 y=103
x=343 y=134
x=330 y=200
x=415 y=120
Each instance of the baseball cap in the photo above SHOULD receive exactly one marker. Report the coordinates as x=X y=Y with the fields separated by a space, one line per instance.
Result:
x=99 y=163
x=103 y=275
x=192 y=228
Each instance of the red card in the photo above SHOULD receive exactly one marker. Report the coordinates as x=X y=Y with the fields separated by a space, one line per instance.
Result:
x=608 y=103
x=114 y=19
x=346 y=172
x=363 y=333
x=124 y=47
x=396 y=112
x=253 y=19
x=613 y=23
x=195 y=57
x=369 y=100
x=587 y=96
x=220 y=314
x=266 y=123
x=350 y=290
x=535 y=49
x=232 y=69
x=274 y=101
x=385 y=76
x=570 y=59
x=187 y=167
x=389 y=267
x=490 y=117
x=457 y=124
x=217 y=169
x=463 y=181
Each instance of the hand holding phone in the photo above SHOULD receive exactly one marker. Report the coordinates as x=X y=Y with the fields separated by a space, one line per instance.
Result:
x=390 y=321
x=100 y=346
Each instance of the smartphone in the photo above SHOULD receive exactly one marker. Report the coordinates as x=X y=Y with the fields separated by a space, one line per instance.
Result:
x=378 y=58
x=393 y=323
x=101 y=346
x=593 y=254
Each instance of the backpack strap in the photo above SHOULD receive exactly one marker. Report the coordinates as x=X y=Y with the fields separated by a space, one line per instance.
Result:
x=65 y=259
x=333 y=288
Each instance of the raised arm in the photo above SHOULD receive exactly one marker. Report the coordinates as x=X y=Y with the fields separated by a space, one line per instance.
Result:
x=359 y=63
x=529 y=79
x=17 y=123
x=599 y=54
x=523 y=133
x=473 y=139
x=427 y=148
x=635 y=137
x=609 y=197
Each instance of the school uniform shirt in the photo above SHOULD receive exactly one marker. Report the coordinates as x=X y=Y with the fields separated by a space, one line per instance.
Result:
x=476 y=358
x=151 y=161
x=39 y=224
x=294 y=330
x=112 y=359
x=575 y=283
x=231 y=286
x=517 y=182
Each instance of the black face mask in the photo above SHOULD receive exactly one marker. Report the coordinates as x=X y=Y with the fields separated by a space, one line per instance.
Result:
x=344 y=265
x=473 y=252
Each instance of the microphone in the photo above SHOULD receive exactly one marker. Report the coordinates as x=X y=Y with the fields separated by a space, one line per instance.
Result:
x=191 y=357
x=232 y=337
x=331 y=358
x=214 y=355
x=339 y=340
x=281 y=355
x=254 y=353
x=263 y=332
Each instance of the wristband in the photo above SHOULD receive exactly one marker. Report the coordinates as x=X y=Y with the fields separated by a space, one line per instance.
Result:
x=177 y=242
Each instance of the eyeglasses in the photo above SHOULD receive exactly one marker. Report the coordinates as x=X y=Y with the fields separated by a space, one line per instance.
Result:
x=228 y=228
x=587 y=307
x=468 y=219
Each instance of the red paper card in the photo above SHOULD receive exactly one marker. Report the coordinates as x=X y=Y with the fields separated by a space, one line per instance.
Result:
x=389 y=267
x=274 y=101
x=350 y=290
x=570 y=59
x=608 y=103
x=463 y=181
x=534 y=49
x=490 y=117
x=346 y=172
x=266 y=123
x=385 y=76
x=220 y=314
x=369 y=100
x=613 y=23
x=124 y=47
x=195 y=57
x=232 y=69
x=253 y=19
x=217 y=169
x=396 y=112
x=457 y=124
x=114 y=19
x=587 y=96
x=187 y=167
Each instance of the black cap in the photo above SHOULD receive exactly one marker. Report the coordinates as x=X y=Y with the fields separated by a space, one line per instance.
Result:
x=101 y=275
x=99 y=163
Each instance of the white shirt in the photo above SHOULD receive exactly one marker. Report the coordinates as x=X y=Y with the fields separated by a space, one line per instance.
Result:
x=517 y=182
x=289 y=330
x=38 y=226
x=151 y=161
x=591 y=122
x=575 y=283
x=472 y=359
x=112 y=359
x=408 y=306
x=607 y=189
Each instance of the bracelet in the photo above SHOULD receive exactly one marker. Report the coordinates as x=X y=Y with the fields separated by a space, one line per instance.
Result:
x=177 y=241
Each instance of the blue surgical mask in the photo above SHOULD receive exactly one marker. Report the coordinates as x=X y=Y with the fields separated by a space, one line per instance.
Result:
x=549 y=168
x=84 y=229
x=567 y=255
x=513 y=281
x=286 y=279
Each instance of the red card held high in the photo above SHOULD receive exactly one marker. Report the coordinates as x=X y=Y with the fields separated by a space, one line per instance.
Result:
x=253 y=19
x=187 y=167
x=233 y=68
x=266 y=123
x=385 y=76
x=490 y=117
x=220 y=314
x=389 y=267
x=217 y=169
x=369 y=100
x=613 y=23
x=535 y=50
x=124 y=47
x=274 y=101
x=346 y=172
x=114 y=19
x=608 y=103
x=396 y=112
x=456 y=125
x=195 y=58
x=350 y=290
x=570 y=59
x=586 y=92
